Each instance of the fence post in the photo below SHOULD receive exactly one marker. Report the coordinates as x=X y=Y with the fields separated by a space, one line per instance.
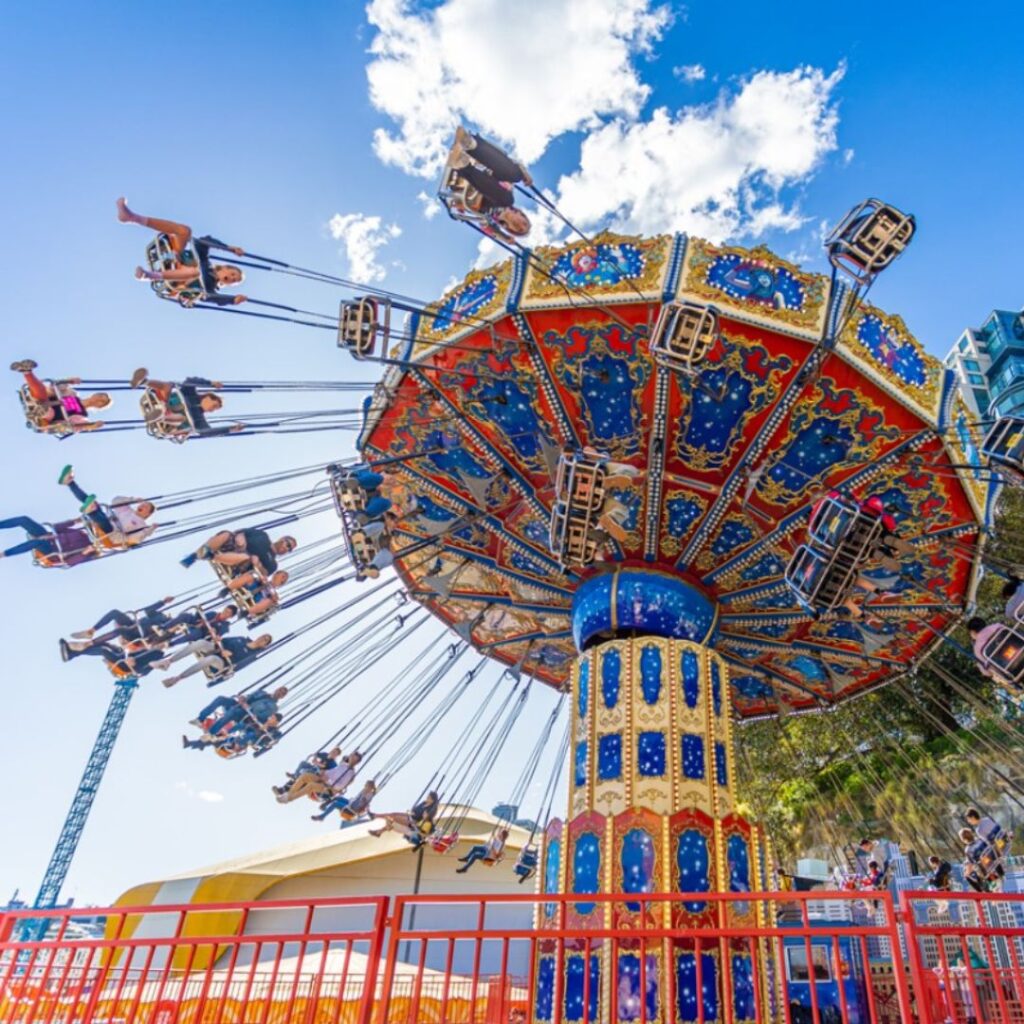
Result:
x=392 y=924
x=894 y=919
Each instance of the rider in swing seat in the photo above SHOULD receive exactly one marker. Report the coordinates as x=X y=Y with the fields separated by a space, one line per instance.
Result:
x=184 y=406
x=488 y=197
x=54 y=407
x=490 y=852
x=194 y=278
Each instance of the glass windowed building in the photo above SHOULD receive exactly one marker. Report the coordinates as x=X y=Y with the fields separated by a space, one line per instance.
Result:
x=989 y=363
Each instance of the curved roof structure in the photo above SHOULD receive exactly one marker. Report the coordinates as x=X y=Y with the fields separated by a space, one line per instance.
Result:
x=802 y=395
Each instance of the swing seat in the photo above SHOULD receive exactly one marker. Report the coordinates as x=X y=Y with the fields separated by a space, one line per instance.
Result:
x=868 y=239
x=103 y=541
x=491 y=861
x=228 y=753
x=442 y=844
x=35 y=411
x=820 y=582
x=160 y=256
x=1004 y=448
x=212 y=675
x=361 y=322
x=580 y=493
x=348 y=493
x=684 y=335
x=245 y=600
x=839 y=524
x=1004 y=655
x=155 y=413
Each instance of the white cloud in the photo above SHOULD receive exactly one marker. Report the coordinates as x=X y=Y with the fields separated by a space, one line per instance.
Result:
x=431 y=206
x=209 y=796
x=690 y=72
x=363 y=237
x=524 y=74
x=716 y=170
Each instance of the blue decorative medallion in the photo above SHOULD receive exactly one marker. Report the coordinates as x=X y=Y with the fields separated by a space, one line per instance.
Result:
x=601 y=264
x=755 y=282
x=465 y=302
x=688 y=991
x=545 y=1001
x=889 y=349
x=631 y=978
x=716 y=688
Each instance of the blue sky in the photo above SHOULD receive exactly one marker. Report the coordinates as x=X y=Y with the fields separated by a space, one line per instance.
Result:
x=257 y=123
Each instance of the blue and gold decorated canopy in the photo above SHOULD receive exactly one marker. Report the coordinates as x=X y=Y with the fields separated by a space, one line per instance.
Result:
x=513 y=367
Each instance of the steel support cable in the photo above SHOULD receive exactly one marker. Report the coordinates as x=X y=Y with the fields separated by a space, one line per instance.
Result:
x=922 y=794
x=321 y=678
x=318 y=677
x=964 y=747
x=173 y=499
x=481 y=763
x=277 y=504
x=390 y=588
x=423 y=733
x=522 y=784
x=994 y=747
x=387 y=719
x=950 y=793
x=440 y=774
x=981 y=713
x=360 y=657
x=982 y=709
x=868 y=768
x=405 y=303
x=538 y=196
x=558 y=770
x=393 y=701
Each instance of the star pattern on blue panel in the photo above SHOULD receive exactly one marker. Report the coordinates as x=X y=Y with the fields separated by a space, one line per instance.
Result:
x=650 y=674
x=692 y=755
x=609 y=757
x=586 y=869
x=650 y=754
x=690 y=675
x=637 y=863
x=611 y=677
x=721 y=770
x=693 y=864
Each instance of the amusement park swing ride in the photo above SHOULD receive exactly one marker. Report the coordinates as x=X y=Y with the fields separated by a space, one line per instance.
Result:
x=686 y=485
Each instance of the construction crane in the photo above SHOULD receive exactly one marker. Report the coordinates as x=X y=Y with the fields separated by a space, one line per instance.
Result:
x=74 y=823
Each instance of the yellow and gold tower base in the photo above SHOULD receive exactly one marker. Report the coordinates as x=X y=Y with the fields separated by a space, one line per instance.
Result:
x=652 y=809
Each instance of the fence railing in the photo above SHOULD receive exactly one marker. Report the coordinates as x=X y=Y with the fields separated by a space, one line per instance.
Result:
x=770 y=958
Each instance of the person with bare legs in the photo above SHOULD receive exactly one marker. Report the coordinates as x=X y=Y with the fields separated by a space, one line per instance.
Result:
x=194 y=277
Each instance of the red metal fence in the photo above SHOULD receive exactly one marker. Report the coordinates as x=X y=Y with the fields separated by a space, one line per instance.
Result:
x=771 y=958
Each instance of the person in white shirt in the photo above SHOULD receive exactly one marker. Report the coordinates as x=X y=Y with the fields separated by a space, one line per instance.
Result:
x=125 y=521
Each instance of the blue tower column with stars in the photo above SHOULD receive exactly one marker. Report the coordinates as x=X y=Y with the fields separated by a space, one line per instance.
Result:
x=652 y=809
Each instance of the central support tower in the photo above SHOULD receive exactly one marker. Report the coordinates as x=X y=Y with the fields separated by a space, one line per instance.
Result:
x=652 y=809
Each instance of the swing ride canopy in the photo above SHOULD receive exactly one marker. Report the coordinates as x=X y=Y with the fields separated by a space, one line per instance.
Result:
x=801 y=397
